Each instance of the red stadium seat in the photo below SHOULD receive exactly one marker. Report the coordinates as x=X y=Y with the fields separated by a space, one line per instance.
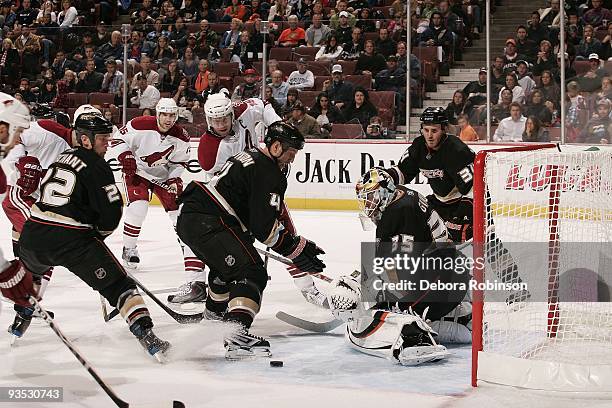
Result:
x=308 y=98
x=308 y=53
x=385 y=103
x=364 y=81
x=319 y=81
x=100 y=98
x=581 y=67
x=226 y=69
x=287 y=67
x=319 y=67
x=346 y=131
x=281 y=53
x=77 y=99
x=348 y=67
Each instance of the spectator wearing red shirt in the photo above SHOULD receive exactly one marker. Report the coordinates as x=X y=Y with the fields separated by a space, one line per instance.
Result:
x=236 y=10
x=292 y=36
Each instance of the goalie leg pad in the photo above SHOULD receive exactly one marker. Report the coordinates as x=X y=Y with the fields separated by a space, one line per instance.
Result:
x=402 y=338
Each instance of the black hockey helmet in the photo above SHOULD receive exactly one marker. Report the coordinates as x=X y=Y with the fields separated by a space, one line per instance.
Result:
x=434 y=116
x=63 y=119
x=42 y=111
x=287 y=134
x=91 y=125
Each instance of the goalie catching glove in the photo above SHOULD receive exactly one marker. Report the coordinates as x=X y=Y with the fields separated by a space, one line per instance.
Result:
x=30 y=172
x=16 y=283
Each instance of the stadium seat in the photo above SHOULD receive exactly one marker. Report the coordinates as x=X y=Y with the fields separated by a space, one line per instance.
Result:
x=287 y=67
x=308 y=98
x=308 y=53
x=348 y=67
x=226 y=54
x=77 y=99
x=227 y=69
x=385 y=103
x=370 y=36
x=319 y=81
x=133 y=113
x=346 y=131
x=319 y=67
x=364 y=81
x=281 y=53
x=219 y=28
x=581 y=67
x=100 y=98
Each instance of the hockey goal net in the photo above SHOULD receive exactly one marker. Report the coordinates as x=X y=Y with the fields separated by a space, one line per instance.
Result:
x=543 y=228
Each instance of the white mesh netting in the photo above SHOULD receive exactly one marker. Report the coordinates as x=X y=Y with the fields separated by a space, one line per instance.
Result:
x=549 y=225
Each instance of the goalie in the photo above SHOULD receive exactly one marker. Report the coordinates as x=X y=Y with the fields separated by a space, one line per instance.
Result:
x=395 y=327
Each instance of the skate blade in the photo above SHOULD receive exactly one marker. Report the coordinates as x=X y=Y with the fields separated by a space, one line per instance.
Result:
x=419 y=355
x=253 y=353
x=13 y=340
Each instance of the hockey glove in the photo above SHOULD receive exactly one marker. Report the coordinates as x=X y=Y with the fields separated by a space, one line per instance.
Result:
x=304 y=255
x=30 y=173
x=128 y=163
x=16 y=283
x=175 y=185
x=285 y=219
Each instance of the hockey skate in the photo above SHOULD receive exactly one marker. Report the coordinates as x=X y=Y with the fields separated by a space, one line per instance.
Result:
x=312 y=295
x=192 y=292
x=130 y=257
x=210 y=315
x=20 y=324
x=417 y=346
x=240 y=344
x=152 y=344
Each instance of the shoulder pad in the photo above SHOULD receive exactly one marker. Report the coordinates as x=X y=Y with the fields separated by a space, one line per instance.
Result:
x=144 y=123
x=209 y=145
x=57 y=129
x=179 y=133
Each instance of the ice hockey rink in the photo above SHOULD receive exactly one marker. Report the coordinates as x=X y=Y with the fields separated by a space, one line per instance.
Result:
x=320 y=370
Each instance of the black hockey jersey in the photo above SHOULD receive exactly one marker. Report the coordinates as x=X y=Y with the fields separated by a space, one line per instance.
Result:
x=450 y=169
x=78 y=198
x=410 y=223
x=250 y=187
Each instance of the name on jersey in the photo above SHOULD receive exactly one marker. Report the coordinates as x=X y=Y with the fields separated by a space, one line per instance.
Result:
x=71 y=160
x=244 y=158
x=433 y=173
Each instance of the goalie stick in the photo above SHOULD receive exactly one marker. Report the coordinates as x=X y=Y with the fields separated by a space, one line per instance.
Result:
x=317 y=327
x=107 y=389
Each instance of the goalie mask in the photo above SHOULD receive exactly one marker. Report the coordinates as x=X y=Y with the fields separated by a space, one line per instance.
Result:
x=375 y=191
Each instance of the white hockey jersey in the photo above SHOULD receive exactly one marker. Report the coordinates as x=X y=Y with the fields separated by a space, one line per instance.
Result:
x=44 y=139
x=250 y=115
x=159 y=156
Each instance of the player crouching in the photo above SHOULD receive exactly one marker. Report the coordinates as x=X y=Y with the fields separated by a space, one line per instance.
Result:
x=395 y=327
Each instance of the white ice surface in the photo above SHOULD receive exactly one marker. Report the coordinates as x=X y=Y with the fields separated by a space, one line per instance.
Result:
x=319 y=370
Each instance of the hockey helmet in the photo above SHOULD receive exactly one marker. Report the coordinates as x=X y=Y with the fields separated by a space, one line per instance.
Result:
x=63 y=119
x=434 y=116
x=90 y=125
x=15 y=114
x=218 y=106
x=287 y=134
x=375 y=191
x=83 y=109
x=42 y=111
x=166 y=105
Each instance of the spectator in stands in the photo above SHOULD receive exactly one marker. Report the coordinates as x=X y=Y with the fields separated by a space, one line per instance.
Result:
x=570 y=72
x=206 y=51
x=518 y=93
x=590 y=81
x=258 y=7
x=60 y=64
x=550 y=90
x=302 y=78
x=577 y=112
x=163 y=50
x=214 y=86
x=365 y=21
x=536 y=31
x=597 y=15
x=26 y=15
x=466 y=131
x=112 y=49
x=29 y=48
x=606 y=44
x=375 y=129
x=178 y=36
x=324 y=111
x=499 y=111
x=606 y=91
x=102 y=36
x=537 y=107
x=10 y=17
x=476 y=92
x=360 y=108
x=171 y=79
x=47 y=92
x=599 y=127
x=344 y=29
x=189 y=63
x=318 y=33
x=370 y=62
x=437 y=35
x=588 y=45
x=272 y=66
x=146 y=70
x=551 y=17
x=385 y=45
x=393 y=78
x=200 y=82
x=279 y=11
x=48 y=29
x=71 y=80
x=511 y=56
x=511 y=128
x=455 y=108
x=340 y=92
x=25 y=91
x=79 y=54
x=207 y=14
x=279 y=87
x=90 y=80
x=546 y=60
x=524 y=77
x=306 y=124
x=169 y=16
x=9 y=63
x=235 y=10
x=292 y=98
x=331 y=51
x=534 y=131
x=185 y=96
x=269 y=98
x=334 y=20
x=352 y=49
x=61 y=99
x=525 y=46
x=498 y=76
x=428 y=9
x=231 y=36
x=250 y=88
x=402 y=60
x=206 y=33
x=46 y=8
x=68 y=16
x=135 y=48
x=143 y=22
x=451 y=20
x=245 y=52
x=145 y=96
x=113 y=79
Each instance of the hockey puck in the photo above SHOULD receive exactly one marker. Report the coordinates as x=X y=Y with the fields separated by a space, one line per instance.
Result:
x=276 y=363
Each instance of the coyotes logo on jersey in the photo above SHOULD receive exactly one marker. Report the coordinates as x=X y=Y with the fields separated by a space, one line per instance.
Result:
x=158 y=158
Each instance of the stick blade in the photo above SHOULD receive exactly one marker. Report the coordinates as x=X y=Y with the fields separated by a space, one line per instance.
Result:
x=317 y=327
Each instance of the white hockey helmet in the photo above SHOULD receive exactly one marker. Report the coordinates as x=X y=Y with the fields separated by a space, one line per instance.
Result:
x=85 y=109
x=166 y=105
x=15 y=114
x=218 y=106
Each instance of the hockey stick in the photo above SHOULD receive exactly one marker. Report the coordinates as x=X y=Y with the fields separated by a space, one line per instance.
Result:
x=179 y=317
x=107 y=316
x=286 y=261
x=107 y=389
x=322 y=327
